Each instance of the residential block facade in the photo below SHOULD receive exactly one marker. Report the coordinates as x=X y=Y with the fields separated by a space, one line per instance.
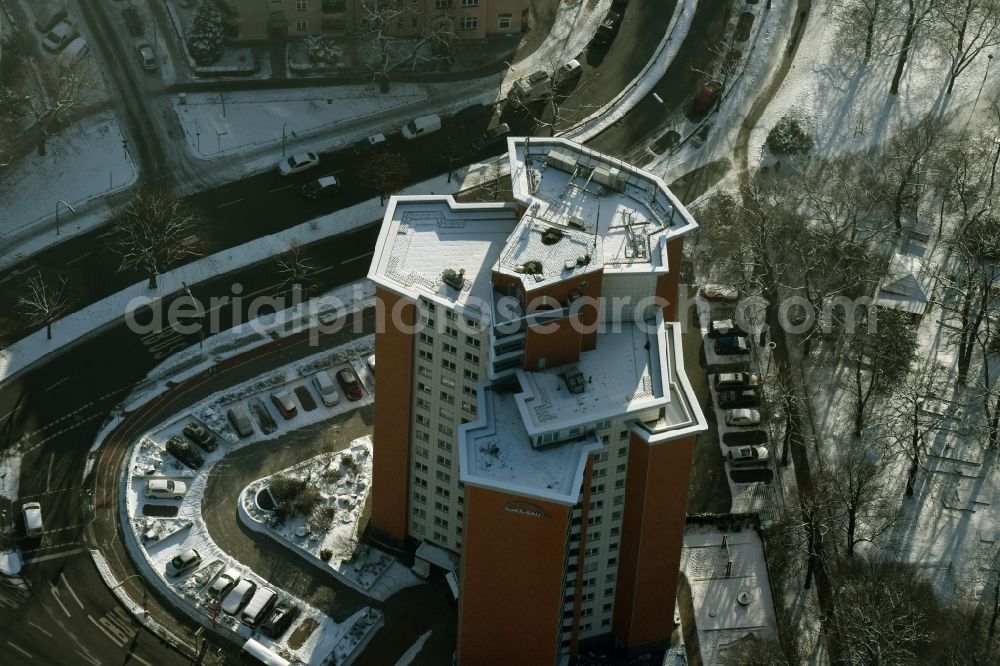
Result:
x=256 y=20
x=532 y=411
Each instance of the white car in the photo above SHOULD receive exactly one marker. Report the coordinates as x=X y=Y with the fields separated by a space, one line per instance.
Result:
x=238 y=597
x=33 y=526
x=742 y=417
x=223 y=583
x=165 y=489
x=747 y=455
x=326 y=388
x=147 y=56
x=297 y=163
x=61 y=35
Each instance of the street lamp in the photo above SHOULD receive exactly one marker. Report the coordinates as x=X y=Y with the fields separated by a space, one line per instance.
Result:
x=71 y=209
x=283 y=127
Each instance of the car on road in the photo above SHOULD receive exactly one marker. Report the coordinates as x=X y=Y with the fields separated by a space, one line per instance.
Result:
x=264 y=418
x=747 y=455
x=32 y=512
x=221 y=584
x=741 y=398
x=238 y=596
x=493 y=135
x=706 y=97
x=741 y=418
x=350 y=384
x=146 y=54
x=608 y=29
x=369 y=143
x=421 y=126
x=165 y=489
x=62 y=34
x=201 y=436
x=280 y=619
x=732 y=344
x=727 y=381
x=240 y=419
x=314 y=189
x=297 y=163
x=181 y=449
x=566 y=73
x=327 y=390
x=530 y=88
x=182 y=562
x=259 y=607
x=285 y=403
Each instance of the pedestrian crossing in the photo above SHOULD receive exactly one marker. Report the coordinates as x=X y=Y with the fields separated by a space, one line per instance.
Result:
x=117 y=625
x=12 y=597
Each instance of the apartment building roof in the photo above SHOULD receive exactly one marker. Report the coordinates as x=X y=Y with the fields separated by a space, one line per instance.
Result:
x=541 y=253
x=435 y=247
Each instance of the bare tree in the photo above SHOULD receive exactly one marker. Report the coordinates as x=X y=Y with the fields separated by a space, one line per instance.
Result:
x=381 y=22
x=862 y=493
x=865 y=21
x=965 y=29
x=386 y=173
x=296 y=269
x=918 y=14
x=43 y=300
x=155 y=233
x=73 y=87
x=907 y=162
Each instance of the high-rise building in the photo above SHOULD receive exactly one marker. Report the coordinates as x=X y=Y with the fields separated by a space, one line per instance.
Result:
x=532 y=412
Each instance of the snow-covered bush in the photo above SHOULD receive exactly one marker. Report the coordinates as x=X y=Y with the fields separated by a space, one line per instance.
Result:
x=789 y=137
x=322 y=50
x=205 y=37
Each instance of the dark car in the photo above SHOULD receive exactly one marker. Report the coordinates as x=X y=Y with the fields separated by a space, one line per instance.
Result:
x=280 y=619
x=706 y=97
x=200 y=435
x=732 y=344
x=744 y=398
x=183 y=562
x=181 y=449
x=264 y=418
x=350 y=384
x=316 y=188
x=608 y=28
x=493 y=135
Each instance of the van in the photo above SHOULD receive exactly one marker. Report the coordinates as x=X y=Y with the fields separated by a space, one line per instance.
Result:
x=48 y=18
x=75 y=51
x=33 y=519
x=422 y=126
x=566 y=73
x=533 y=87
x=258 y=607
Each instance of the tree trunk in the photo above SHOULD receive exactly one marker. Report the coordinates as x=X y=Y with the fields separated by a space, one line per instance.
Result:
x=852 y=525
x=48 y=330
x=152 y=281
x=996 y=608
x=994 y=429
x=869 y=37
x=911 y=475
x=904 y=51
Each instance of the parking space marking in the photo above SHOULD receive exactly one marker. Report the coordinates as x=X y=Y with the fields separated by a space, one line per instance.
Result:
x=55 y=593
x=230 y=203
x=21 y=650
x=278 y=189
x=89 y=659
x=40 y=629
x=70 y=590
x=360 y=256
x=111 y=630
x=12 y=597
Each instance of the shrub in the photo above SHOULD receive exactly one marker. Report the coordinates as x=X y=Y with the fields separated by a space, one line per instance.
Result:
x=789 y=137
x=325 y=554
x=285 y=488
x=322 y=517
x=205 y=37
x=351 y=464
x=307 y=500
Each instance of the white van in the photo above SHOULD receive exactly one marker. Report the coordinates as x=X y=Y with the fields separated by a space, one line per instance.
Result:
x=531 y=88
x=421 y=126
x=259 y=652
x=33 y=519
x=326 y=388
x=258 y=607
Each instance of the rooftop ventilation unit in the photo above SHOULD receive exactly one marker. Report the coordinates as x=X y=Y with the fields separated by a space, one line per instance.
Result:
x=529 y=268
x=454 y=279
x=609 y=177
x=575 y=382
x=583 y=260
x=561 y=161
x=576 y=223
x=551 y=236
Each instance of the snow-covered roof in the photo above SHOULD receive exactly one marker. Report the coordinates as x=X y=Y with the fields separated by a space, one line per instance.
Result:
x=495 y=452
x=904 y=287
x=557 y=252
x=630 y=212
x=422 y=237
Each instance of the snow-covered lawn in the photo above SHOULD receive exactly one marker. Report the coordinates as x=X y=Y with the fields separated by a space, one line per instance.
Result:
x=163 y=537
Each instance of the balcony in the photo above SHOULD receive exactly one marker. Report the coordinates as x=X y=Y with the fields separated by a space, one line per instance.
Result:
x=334 y=6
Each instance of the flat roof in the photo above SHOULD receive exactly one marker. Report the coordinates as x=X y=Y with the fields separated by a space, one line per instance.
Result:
x=556 y=253
x=423 y=236
x=632 y=211
x=495 y=452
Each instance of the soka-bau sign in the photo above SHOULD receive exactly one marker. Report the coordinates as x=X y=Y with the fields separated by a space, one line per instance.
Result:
x=526 y=509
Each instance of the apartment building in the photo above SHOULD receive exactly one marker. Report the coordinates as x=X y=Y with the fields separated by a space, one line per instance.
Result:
x=532 y=411
x=255 y=20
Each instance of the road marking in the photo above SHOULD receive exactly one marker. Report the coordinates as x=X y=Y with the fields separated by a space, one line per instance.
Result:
x=40 y=629
x=231 y=203
x=55 y=556
x=278 y=189
x=70 y=590
x=90 y=660
x=138 y=658
x=10 y=413
x=109 y=629
x=360 y=256
x=55 y=593
x=64 y=379
x=48 y=476
x=82 y=256
x=21 y=650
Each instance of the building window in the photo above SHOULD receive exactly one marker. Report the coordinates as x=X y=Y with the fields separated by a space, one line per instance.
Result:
x=472 y=342
x=424 y=354
x=619 y=500
x=442 y=492
x=471 y=358
x=447 y=398
x=448 y=365
x=623 y=435
x=417 y=527
x=423 y=436
x=444 y=460
x=422 y=419
x=441 y=507
x=419 y=497
x=420 y=513
x=503 y=21
x=451 y=331
x=443 y=4
x=451 y=349
x=446 y=414
x=469 y=407
x=470 y=3
x=469 y=390
x=420 y=466
x=600 y=457
x=617 y=515
x=444 y=446
x=440 y=537
x=597 y=505
x=619 y=484
x=276 y=16
x=422 y=452
x=474 y=376
x=420 y=482
x=620 y=468
x=426 y=339
x=443 y=476
x=301 y=5
x=424 y=372
x=440 y=522
x=300 y=26
x=448 y=381
x=446 y=430
x=470 y=22
x=615 y=531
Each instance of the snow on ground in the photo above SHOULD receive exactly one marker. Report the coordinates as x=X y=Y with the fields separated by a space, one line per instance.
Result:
x=162 y=538
x=81 y=164
x=414 y=650
x=10 y=472
x=217 y=124
x=575 y=25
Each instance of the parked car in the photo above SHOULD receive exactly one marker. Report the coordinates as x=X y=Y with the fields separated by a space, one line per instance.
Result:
x=369 y=143
x=240 y=419
x=58 y=37
x=608 y=29
x=720 y=292
x=147 y=56
x=259 y=607
x=736 y=380
x=285 y=403
x=281 y=618
x=201 y=436
x=370 y=362
x=314 y=189
x=221 y=584
x=747 y=455
x=493 y=135
x=181 y=449
x=531 y=88
x=350 y=384
x=327 y=390
x=421 y=126
x=33 y=526
x=238 y=596
x=732 y=344
x=742 y=417
x=264 y=418
x=297 y=163
x=165 y=489
x=184 y=561
x=706 y=97
x=566 y=73
x=740 y=398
